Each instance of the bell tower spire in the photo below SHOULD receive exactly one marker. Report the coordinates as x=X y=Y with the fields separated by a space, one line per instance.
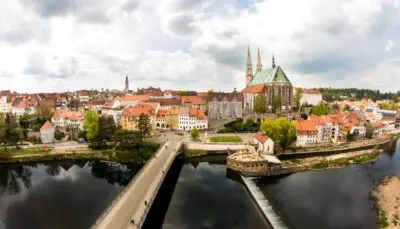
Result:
x=126 y=84
x=273 y=61
x=249 y=68
x=259 y=64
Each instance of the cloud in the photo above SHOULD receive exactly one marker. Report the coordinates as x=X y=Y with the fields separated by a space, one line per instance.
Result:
x=389 y=45
x=196 y=44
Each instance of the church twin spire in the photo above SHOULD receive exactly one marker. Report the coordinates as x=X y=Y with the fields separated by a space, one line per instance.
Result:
x=259 y=66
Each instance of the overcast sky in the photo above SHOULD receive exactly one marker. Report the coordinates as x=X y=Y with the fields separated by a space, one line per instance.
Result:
x=60 y=45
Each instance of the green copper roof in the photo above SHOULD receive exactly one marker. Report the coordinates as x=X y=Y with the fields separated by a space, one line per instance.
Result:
x=270 y=75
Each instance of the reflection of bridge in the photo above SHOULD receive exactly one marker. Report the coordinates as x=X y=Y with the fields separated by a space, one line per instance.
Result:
x=130 y=208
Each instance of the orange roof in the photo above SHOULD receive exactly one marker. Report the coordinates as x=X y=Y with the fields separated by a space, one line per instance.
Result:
x=199 y=114
x=46 y=126
x=261 y=137
x=254 y=88
x=138 y=110
x=47 y=102
x=310 y=91
x=152 y=104
x=202 y=94
x=135 y=97
x=197 y=100
x=75 y=116
x=305 y=125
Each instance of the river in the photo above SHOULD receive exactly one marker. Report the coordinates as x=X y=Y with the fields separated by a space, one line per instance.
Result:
x=59 y=194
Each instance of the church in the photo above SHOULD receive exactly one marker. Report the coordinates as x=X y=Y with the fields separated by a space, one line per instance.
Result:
x=272 y=84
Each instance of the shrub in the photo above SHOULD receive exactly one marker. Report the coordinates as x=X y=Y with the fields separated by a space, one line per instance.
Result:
x=59 y=135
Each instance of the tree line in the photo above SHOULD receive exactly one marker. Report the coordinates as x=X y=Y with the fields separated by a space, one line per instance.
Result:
x=332 y=94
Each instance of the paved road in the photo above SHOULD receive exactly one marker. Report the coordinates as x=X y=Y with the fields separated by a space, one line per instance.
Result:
x=131 y=205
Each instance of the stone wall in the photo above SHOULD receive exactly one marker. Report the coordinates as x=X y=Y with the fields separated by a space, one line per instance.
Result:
x=215 y=146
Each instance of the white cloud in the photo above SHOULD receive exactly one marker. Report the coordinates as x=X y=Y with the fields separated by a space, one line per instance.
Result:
x=389 y=45
x=195 y=44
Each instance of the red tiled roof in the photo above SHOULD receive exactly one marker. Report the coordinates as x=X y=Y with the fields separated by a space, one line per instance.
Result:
x=135 y=97
x=151 y=104
x=46 y=126
x=138 y=110
x=197 y=100
x=47 y=102
x=254 y=88
x=310 y=91
x=261 y=137
x=305 y=125
x=199 y=114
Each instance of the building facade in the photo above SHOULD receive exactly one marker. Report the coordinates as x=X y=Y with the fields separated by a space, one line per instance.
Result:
x=272 y=84
x=47 y=133
x=264 y=143
x=225 y=105
x=190 y=118
x=306 y=133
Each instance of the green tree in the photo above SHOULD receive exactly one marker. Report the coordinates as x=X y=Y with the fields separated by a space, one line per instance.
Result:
x=3 y=131
x=59 y=135
x=321 y=109
x=335 y=106
x=259 y=105
x=45 y=112
x=281 y=131
x=297 y=97
x=128 y=140
x=346 y=107
x=194 y=133
x=91 y=124
x=106 y=132
x=276 y=103
x=369 y=131
x=350 y=136
x=182 y=93
x=24 y=120
x=12 y=130
x=144 y=126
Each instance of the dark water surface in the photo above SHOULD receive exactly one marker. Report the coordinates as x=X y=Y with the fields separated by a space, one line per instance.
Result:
x=331 y=199
x=206 y=196
x=60 y=194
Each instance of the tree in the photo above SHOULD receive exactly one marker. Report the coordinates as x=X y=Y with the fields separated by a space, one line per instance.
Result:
x=280 y=131
x=91 y=124
x=45 y=112
x=194 y=133
x=106 y=132
x=321 y=109
x=12 y=130
x=350 y=136
x=259 y=105
x=276 y=103
x=128 y=139
x=59 y=135
x=182 y=93
x=369 y=131
x=144 y=126
x=346 y=107
x=297 y=97
x=75 y=104
x=335 y=106
x=2 y=131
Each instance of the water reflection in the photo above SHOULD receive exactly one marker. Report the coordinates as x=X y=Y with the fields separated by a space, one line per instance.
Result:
x=61 y=194
x=337 y=198
x=206 y=196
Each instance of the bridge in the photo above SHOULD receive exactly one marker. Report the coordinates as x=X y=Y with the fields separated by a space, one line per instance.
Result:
x=129 y=209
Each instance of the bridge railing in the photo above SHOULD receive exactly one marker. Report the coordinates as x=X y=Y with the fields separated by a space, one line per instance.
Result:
x=116 y=199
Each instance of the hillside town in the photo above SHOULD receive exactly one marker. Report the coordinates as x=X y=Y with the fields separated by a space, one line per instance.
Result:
x=269 y=94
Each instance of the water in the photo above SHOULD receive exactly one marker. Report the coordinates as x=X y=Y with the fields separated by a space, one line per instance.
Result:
x=207 y=196
x=338 y=198
x=60 y=194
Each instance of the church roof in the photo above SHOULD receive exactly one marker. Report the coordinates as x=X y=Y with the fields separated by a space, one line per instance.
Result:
x=270 y=75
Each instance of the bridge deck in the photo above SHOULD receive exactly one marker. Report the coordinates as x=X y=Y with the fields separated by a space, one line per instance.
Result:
x=130 y=205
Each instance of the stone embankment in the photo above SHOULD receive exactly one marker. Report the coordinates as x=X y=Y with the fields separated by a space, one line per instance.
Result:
x=387 y=195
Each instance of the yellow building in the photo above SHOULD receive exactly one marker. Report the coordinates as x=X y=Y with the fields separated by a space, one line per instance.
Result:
x=130 y=116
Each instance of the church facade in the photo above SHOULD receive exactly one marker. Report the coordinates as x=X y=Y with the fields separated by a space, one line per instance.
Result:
x=272 y=84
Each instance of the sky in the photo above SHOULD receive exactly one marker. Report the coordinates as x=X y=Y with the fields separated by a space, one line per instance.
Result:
x=66 y=45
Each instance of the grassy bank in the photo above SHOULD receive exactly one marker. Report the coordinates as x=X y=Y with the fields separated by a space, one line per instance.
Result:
x=226 y=139
x=139 y=156
x=194 y=153
x=323 y=164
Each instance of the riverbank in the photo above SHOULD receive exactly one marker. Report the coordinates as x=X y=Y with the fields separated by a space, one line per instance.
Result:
x=138 y=156
x=334 y=161
x=387 y=195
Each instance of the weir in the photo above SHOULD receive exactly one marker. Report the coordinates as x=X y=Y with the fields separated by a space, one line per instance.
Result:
x=264 y=205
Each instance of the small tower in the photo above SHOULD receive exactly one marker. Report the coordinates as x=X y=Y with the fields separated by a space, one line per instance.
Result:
x=259 y=64
x=273 y=61
x=126 y=84
x=249 y=68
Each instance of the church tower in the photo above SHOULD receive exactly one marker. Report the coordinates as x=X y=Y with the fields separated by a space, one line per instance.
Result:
x=259 y=64
x=126 y=84
x=249 y=68
x=273 y=61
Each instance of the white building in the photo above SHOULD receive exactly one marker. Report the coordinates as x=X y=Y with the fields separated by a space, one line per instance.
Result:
x=328 y=130
x=190 y=118
x=310 y=97
x=264 y=143
x=4 y=108
x=47 y=133
x=306 y=133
